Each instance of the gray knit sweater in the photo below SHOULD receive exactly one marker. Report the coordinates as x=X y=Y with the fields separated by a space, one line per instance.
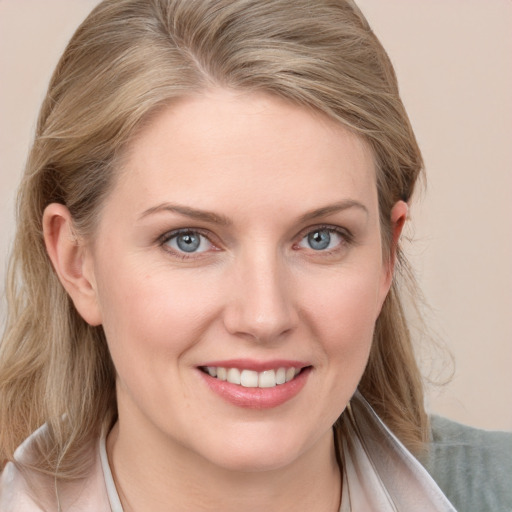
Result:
x=473 y=467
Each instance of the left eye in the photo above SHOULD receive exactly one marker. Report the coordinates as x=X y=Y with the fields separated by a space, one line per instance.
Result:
x=188 y=242
x=321 y=239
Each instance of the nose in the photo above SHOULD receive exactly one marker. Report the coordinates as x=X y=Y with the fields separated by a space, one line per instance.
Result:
x=261 y=300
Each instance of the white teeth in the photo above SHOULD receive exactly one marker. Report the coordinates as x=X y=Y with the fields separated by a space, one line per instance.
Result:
x=267 y=379
x=253 y=379
x=233 y=375
x=249 y=379
x=290 y=374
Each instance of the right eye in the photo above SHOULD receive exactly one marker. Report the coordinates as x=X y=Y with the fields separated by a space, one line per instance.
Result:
x=187 y=241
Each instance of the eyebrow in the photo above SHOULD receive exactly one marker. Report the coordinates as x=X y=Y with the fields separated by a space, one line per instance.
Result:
x=334 y=208
x=215 y=218
x=193 y=213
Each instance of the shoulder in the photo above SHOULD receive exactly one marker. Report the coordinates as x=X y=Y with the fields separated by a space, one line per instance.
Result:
x=25 y=490
x=473 y=467
x=14 y=493
x=17 y=484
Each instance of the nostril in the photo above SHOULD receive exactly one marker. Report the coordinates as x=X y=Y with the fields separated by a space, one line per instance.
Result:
x=260 y=307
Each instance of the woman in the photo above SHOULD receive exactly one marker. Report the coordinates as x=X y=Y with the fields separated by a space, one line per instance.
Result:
x=206 y=267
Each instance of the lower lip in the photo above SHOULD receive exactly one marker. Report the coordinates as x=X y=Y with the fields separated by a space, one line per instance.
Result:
x=257 y=398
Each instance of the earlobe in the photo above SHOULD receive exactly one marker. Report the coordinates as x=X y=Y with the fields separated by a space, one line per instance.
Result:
x=397 y=221
x=398 y=218
x=72 y=261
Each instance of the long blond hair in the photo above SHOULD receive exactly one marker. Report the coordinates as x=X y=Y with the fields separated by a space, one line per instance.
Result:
x=128 y=59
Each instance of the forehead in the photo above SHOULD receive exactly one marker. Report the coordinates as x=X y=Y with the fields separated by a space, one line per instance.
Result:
x=225 y=147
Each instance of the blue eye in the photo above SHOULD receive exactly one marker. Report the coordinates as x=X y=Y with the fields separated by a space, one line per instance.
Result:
x=321 y=239
x=188 y=242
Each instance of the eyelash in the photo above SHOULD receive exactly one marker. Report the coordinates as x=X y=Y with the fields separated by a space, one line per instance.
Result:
x=346 y=236
x=167 y=237
x=346 y=239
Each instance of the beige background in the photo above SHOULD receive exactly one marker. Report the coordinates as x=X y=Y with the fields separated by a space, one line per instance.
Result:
x=453 y=59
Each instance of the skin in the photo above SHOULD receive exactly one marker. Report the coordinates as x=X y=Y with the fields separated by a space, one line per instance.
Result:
x=256 y=289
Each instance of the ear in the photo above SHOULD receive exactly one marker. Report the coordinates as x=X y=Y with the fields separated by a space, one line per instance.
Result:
x=397 y=221
x=72 y=261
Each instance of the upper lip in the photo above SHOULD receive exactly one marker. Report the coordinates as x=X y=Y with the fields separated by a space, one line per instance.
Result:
x=255 y=365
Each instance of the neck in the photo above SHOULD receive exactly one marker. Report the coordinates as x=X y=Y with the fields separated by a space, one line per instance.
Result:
x=164 y=476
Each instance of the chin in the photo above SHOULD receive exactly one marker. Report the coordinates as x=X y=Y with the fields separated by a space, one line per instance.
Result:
x=256 y=462
x=248 y=455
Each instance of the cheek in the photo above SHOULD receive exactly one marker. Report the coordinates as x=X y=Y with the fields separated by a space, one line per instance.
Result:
x=150 y=316
x=343 y=319
x=348 y=303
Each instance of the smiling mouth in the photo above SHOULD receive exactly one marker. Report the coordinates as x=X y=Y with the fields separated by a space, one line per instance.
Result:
x=253 y=379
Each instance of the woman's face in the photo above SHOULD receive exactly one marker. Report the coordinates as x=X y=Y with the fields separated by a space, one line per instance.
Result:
x=242 y=239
